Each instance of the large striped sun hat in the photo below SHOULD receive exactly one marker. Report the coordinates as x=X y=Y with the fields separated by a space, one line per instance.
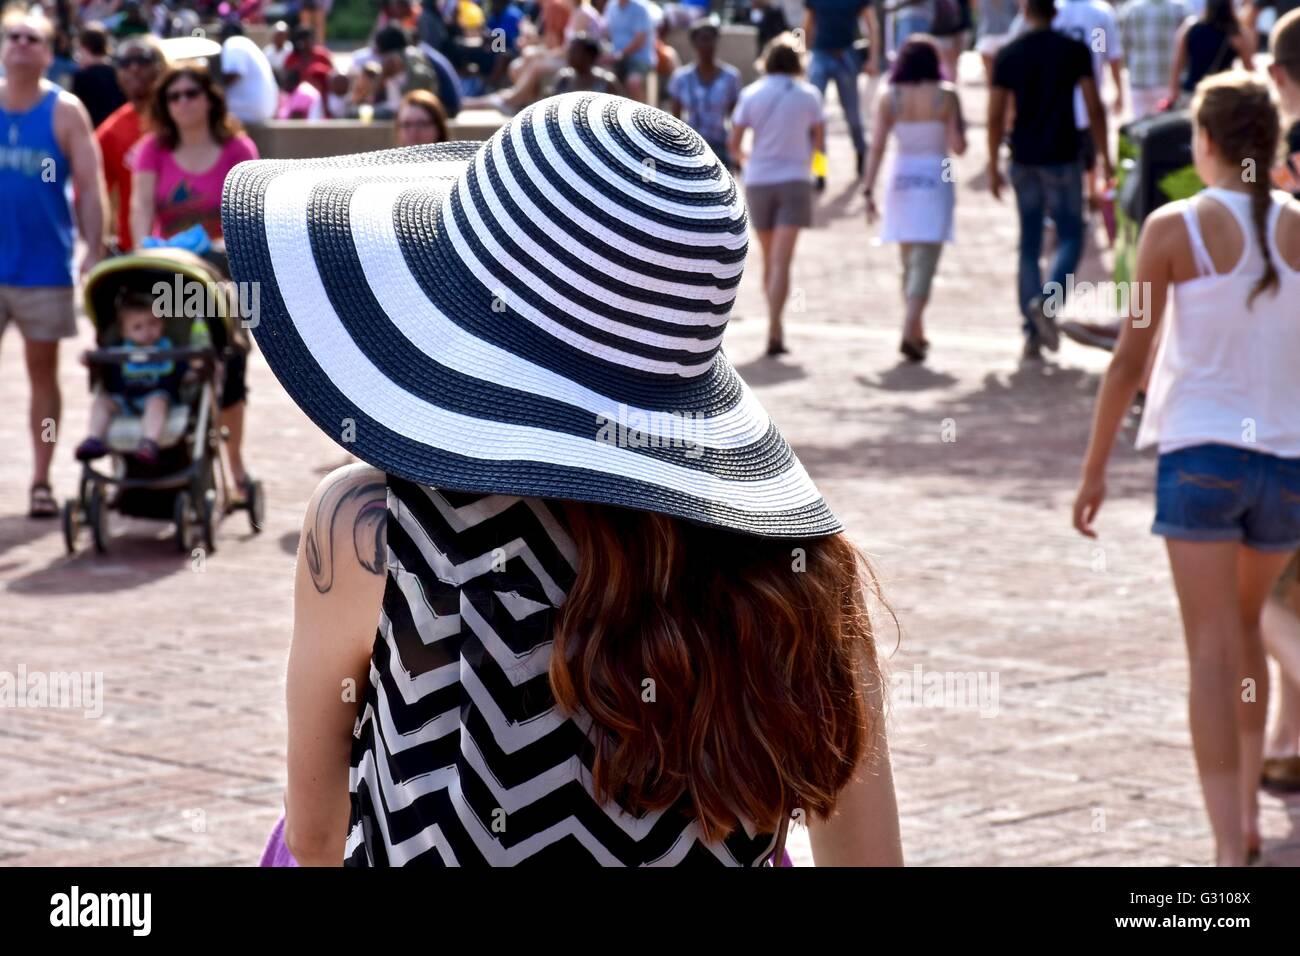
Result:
x=541 y=314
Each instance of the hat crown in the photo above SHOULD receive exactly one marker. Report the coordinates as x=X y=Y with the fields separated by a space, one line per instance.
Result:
x=610 y=225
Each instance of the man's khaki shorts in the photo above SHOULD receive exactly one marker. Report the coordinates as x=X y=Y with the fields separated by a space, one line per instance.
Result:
x=42 y=313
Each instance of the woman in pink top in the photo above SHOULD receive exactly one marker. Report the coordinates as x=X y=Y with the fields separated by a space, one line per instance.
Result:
x=179 y=169
x=177 y=175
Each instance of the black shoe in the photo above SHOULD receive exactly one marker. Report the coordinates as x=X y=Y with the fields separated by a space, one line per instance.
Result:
x=777 y=348
x=914 y=351
x=1044 y=324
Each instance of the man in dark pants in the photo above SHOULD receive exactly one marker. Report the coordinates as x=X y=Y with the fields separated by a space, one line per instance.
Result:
x=831 y=29
x=1040 y=70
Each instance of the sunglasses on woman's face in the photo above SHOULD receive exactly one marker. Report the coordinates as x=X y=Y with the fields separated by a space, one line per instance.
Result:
x=189 y=93
x=22 y=36
x=135 y=59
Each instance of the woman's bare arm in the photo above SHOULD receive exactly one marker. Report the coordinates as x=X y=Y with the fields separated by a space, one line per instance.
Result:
x=142 y=206
x=338 y=590
x=863 y=828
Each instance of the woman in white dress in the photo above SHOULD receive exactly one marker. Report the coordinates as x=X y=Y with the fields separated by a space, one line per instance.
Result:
x=924 y=114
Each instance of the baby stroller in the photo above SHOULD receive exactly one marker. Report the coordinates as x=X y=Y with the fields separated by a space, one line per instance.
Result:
x=187 y=485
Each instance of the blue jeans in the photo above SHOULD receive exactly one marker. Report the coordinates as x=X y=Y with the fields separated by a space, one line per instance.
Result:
x=1222 y=493
x=842 y=67
x=1055 y=191
x=907 y=22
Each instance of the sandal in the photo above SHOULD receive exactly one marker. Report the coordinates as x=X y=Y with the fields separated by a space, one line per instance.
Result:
x=777 y=348
x=41 y=503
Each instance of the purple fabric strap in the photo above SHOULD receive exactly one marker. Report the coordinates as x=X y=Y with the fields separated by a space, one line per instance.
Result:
x=276 y=853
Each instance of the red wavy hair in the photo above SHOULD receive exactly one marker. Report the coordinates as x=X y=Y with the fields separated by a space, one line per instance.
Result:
x=733 y=668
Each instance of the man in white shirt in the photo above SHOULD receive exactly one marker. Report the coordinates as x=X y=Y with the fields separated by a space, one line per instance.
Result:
x=251 y=91
x=278 y=50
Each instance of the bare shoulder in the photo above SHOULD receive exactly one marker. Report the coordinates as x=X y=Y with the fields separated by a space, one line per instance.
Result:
x=1164 y=225
x=71 y=108
x=1288 y=232
x=344 y=529
x=71 y=117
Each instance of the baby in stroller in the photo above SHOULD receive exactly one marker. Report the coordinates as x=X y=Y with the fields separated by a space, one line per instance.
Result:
x=144 y=387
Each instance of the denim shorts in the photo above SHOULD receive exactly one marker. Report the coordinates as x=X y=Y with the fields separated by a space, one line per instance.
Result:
x=1222 y=493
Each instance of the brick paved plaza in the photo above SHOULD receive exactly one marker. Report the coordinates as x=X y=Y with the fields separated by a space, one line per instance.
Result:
x=957 y=477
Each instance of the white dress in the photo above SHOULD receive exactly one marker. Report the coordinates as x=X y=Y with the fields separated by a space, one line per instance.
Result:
x=921 y=194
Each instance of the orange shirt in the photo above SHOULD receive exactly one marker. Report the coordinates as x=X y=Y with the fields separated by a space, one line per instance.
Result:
x=117 y=135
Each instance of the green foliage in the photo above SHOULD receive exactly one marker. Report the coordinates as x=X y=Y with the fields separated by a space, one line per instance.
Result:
x=352 y=19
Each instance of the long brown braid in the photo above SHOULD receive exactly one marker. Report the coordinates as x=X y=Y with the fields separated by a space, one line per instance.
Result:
x=1241 y=118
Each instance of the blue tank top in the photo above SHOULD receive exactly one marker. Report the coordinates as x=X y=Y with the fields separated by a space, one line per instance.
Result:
x=35 y=199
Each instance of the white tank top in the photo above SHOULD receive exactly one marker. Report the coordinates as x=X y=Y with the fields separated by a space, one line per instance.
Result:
x=1225 y=373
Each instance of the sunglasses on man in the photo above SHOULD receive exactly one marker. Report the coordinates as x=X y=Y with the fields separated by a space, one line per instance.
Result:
x=23 y=37
x=136 y=59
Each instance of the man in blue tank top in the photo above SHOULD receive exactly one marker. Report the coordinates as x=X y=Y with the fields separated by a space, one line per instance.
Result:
x=47 y=147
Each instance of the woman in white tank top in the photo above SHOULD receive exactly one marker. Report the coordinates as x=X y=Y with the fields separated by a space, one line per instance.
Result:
x=1223 y=409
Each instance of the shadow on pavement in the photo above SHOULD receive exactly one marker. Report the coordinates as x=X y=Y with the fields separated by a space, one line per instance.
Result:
x=17 y=530
x=766 y=370
x=1023 y=434
x=909 y=377
x=135 y=558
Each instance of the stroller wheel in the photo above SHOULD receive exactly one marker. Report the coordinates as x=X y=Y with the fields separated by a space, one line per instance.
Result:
x=208 y=522
x=97 y=517
x=71 y=524
x=183 y=515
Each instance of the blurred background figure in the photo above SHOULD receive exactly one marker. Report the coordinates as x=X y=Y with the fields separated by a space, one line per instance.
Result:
x=994 y=30
x=924 y=114
x=298 y=98
x=251 y=91
x=631 y=28
x=139 y=64
x=313 y=14
x=1149 y=30
x=421 y=120
x=582 y=74
x=312 y=60
x=281 y=45
x=785 y=115
x=95 y=82
x=830 y=32
x=704 y=93
x=46 y=131
x=1210 y=44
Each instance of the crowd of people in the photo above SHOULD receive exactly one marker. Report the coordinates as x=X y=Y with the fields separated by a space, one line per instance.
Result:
x=147 y=144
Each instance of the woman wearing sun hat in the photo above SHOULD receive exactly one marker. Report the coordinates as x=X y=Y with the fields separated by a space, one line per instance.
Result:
x=581 y=604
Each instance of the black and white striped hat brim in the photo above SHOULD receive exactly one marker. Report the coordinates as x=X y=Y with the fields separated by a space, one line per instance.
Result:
x=538 y=315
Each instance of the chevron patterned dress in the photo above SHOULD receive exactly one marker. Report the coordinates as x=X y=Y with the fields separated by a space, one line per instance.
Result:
x=459 y=755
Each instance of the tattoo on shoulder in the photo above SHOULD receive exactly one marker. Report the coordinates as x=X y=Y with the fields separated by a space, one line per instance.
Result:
x=369 y=498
